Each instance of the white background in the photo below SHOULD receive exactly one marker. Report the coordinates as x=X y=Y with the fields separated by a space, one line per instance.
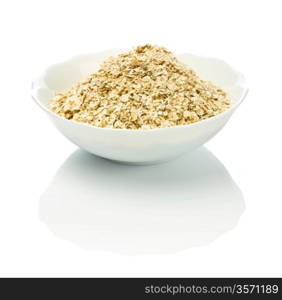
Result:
x=46 y=222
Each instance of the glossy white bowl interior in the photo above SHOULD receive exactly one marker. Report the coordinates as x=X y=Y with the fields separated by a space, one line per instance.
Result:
x=137 y=146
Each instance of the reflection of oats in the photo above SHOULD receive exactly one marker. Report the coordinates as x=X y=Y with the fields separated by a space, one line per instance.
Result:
x=142 y=89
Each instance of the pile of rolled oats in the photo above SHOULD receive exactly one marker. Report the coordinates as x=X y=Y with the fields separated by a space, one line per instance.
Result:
x=141 y=89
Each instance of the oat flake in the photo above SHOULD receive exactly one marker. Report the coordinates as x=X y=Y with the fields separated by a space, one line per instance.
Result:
x=142 y=89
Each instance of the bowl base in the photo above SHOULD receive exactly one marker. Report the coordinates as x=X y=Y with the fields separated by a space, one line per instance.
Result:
x=144 y=163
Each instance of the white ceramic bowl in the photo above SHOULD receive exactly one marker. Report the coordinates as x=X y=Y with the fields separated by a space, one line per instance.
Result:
x=137 y=146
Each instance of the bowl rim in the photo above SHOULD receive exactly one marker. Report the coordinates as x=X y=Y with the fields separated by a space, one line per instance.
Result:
x=241 y=82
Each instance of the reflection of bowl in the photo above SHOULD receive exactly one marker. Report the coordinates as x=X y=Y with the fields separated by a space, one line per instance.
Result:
x=137 y=146
x=100 y=205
